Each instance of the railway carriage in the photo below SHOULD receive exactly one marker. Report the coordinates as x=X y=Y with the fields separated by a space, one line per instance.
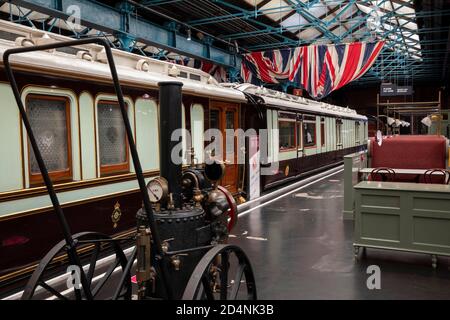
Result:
x=72 y=107
x=303 y=135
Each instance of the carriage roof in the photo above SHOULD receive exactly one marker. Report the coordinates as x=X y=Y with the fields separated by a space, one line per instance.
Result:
x=89 y=62
x=281 y=99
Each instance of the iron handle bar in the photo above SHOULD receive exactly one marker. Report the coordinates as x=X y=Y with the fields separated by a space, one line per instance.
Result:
x=177 y=252
x=42 y=167
x=105 y=240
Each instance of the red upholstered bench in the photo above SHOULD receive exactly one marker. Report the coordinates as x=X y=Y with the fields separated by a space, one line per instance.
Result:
x=408 y=152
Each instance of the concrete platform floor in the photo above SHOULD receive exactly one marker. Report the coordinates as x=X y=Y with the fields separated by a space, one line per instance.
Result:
x=301 y=248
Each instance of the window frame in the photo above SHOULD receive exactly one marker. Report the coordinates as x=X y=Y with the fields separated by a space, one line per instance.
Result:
x=222 y=108
x=288 y=119
x=357 y=132
x=299 y=128
x=219 y=120
x=59 y=175
x=305 y=121
x=199 y=155
x=112 y=169
x=322 y=132
x=220 y=125
x=339 y=142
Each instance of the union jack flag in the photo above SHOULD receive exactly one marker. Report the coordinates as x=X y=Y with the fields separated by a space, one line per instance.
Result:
x=319 y=69
x=266 y=66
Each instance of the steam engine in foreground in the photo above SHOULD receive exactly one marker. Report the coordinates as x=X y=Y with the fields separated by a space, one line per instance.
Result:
x=191 y=212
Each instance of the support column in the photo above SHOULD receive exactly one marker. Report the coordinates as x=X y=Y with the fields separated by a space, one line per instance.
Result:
x=173 y=27
x=123 y=35
x=207 y=42
x=233 y=74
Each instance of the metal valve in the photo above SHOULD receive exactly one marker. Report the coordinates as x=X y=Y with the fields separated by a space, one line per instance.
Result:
x=166 y=244
x=176 y=261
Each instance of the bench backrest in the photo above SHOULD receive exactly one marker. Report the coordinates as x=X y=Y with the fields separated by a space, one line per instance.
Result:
x=409 y=152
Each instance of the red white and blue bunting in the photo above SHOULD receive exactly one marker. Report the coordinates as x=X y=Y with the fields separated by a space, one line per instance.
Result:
x=319 y=69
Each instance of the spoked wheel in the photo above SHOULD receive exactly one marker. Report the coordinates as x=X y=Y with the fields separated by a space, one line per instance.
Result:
x=103 y=264
x=232 y=212
x=224 y=273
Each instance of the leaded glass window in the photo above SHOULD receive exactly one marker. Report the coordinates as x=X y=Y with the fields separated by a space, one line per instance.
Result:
x=113 y=147
x=49 y=118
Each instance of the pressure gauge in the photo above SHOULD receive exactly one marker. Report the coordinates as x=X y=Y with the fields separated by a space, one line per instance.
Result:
x=157 y=189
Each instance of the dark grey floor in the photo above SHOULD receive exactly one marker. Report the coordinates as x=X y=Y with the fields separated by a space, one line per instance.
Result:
x=301 y=248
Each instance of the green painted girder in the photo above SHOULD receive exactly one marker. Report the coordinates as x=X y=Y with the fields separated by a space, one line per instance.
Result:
x=343 y=10
x=151 y=3
x=314 y=22
x=423 y=14
x=241 y=35
x=365 y=37
x=295 y=43
x=269 y=31
x=406 y=67
x=403 y=70
x=360 y=21
x=256 y=22
x=253 y=14
x=320 y=25
x=111 y=20
x=244 y=14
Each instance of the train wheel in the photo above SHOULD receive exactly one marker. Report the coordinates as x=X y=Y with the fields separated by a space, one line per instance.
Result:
x=103 y=263
x=224 y=273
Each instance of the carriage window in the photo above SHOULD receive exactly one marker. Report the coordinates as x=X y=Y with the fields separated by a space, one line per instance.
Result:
x=286 y=134
x=230 y=119
x=113 y=146
x=309 y=131
x=229 y=140
x=322 y=132
x=50 y=119
x=214 y=119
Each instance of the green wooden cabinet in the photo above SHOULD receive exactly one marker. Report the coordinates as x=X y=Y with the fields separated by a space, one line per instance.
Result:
x=403 y=216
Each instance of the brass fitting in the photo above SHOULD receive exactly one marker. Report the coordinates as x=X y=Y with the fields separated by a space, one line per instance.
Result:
x=165 y=245
x=198 y=197
x=144 y=268
x=176 y=262
x=170 y=205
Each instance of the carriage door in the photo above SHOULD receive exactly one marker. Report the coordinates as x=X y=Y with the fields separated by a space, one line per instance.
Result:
x=224 y=115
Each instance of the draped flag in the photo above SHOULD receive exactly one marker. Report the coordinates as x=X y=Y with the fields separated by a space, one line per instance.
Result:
x=266 y=66
x=319 y=69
